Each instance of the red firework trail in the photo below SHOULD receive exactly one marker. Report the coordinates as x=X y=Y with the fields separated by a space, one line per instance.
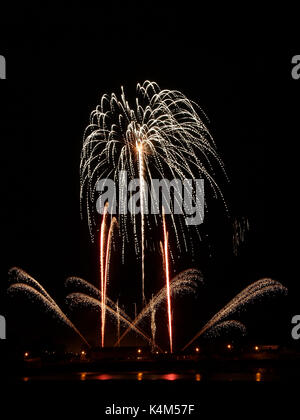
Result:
x=167 y=274
x=105 y=280
x=102 y=271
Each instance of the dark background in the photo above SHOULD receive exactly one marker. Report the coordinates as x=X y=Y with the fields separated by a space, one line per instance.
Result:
x=60 y=62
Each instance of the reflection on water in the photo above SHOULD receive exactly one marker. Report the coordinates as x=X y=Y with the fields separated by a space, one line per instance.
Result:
x=170 y=377
x=258 y=375
x=103 y=377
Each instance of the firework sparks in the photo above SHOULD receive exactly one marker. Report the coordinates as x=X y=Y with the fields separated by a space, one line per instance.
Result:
x=185 y=282
x=255 y=290
x=162 y=135
x=79 y=285
x=17 y=275
x=29 y=287
x=74 y=300
x=226 y=327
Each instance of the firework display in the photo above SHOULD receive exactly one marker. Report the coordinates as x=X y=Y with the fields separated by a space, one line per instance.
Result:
x=148 y=210
x=163 y=135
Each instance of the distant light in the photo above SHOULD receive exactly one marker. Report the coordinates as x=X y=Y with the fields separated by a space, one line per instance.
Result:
x=139 y=351
x=198 y=377
x=156 y=352
x=26 y=354
x=256 y=348
x=229 y=346
x=83 y=353
x=197 y=349
x=140 y=376
x=258 y=377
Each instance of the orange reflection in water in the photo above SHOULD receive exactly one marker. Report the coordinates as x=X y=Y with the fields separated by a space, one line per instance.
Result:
x=170 y=376
x=104 y=377
x=140 y=376
x=198 y=377
x=83 y=376
x=258 y=377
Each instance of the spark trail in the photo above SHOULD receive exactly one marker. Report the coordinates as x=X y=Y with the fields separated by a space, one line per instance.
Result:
x=153 y=323
x=17 y=275
x=118 y=321
x=107 y=260
x=29 y=287
x=79 y=285
x=226 y=326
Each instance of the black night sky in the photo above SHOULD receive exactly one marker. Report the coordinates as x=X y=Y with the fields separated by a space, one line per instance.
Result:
x=58 y=66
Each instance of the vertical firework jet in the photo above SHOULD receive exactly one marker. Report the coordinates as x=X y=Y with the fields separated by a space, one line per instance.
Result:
x=107 y=259
x=102 y=270
x=118 y=322
x=153 y=323
x=140 y=150
x=167 y=274
x=105 y=248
